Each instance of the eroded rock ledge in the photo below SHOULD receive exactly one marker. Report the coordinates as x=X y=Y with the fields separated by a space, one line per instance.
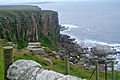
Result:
x=31 y=70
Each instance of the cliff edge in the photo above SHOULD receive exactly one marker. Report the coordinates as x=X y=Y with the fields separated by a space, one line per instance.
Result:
x=23 y=24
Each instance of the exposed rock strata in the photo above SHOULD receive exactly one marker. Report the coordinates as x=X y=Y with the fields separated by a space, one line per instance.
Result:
x=28 y=25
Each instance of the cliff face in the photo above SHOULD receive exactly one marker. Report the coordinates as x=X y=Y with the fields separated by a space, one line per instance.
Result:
x=25 y=25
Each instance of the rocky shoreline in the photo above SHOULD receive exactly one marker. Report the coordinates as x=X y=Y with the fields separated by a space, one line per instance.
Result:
x=85 y=56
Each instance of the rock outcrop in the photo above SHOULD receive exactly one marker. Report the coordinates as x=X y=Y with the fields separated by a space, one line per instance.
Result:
x=23 y=24
x=30 y=70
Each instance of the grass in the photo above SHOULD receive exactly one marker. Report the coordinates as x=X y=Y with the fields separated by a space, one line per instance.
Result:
x=58 y=65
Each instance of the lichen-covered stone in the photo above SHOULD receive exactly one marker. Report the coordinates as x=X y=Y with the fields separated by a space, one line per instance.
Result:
x=22 y=68
x=30 y=70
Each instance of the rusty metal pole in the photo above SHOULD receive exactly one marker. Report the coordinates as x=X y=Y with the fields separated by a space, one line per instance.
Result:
x=105 y=71
x=8 y=59
x=66 y=65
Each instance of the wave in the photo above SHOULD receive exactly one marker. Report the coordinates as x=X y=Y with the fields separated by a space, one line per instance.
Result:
x=88 y=42
x=69 y=26
x=103 y=43
x=93 y=43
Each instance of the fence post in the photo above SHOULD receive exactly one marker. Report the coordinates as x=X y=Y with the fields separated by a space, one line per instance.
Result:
x=66 y=65
x=8 y=59
x=105 y=71
x=113 y=73
x=97 y=70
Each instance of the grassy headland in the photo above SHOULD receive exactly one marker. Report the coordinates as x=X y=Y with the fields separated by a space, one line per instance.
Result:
x=58 y=65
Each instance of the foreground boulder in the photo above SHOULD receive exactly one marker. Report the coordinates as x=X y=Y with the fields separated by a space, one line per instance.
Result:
x=30 y=70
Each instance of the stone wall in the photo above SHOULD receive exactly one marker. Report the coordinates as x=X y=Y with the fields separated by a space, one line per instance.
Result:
x=30 y=70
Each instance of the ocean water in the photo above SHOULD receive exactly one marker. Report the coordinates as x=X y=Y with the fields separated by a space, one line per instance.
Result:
x=91 y=22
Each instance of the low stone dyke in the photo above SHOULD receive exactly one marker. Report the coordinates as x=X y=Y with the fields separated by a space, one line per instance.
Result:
x=31 y=70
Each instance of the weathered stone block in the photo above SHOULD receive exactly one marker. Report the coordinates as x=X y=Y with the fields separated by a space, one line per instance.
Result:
x=30 y=70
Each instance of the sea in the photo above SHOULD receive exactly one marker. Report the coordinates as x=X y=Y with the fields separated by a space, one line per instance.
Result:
x=90 y=22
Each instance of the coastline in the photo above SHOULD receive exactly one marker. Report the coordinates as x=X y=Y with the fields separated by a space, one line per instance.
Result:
x=95 y=44
x=87 y=42
x=91 y=40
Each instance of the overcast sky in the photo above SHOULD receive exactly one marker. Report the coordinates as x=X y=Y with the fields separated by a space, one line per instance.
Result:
x=29 y=0
x=19 y=1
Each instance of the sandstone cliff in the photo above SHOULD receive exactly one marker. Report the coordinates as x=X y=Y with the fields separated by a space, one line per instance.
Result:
x=28 y=24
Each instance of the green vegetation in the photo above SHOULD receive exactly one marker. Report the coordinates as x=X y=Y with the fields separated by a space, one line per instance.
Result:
x=50 y=40
x=58 y=65
x=18 y=24
x=46 y=41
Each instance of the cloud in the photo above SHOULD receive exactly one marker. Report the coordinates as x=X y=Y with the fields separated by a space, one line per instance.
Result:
x=21 y=1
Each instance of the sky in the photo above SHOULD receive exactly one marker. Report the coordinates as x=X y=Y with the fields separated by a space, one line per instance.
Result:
x=19 y=1
x=15 y=1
